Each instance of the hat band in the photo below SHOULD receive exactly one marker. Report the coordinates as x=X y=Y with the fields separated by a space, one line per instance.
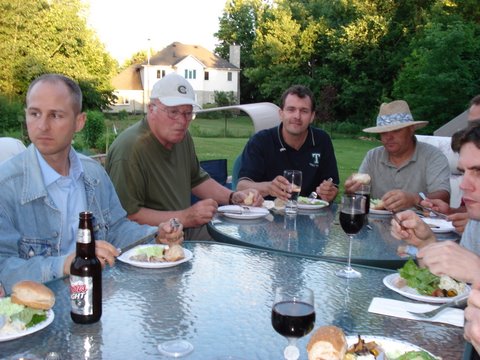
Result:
x=394 y=119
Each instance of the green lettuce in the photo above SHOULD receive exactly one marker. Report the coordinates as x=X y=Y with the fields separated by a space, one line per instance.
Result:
x=416 y=355
x=421 y=279
x=156 y=251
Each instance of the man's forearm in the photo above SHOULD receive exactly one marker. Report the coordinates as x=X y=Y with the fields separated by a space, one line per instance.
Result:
x=155 y=217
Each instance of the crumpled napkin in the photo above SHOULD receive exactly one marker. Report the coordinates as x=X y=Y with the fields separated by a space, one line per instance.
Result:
x=400 y=309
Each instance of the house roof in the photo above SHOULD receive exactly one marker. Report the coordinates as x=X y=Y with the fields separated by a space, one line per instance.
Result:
x=128 y=79
x=176 y=52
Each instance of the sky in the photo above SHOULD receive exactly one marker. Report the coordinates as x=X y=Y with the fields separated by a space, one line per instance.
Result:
x=127 y=26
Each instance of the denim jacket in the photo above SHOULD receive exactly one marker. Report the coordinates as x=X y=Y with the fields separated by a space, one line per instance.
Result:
x=30 y=223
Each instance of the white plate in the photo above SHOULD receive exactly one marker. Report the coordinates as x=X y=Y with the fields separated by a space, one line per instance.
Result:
x=444 y=226
x=38 y=327
x=393 y=348
x=316 y=204
x=391 y=280
x=251 y=213
x=125 y=257
x=380 y=212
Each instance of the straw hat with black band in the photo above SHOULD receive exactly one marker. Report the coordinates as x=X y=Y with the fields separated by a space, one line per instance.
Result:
x=393 y=116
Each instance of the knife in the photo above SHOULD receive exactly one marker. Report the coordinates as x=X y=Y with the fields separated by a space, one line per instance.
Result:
x=439 y=214
x=141 y=241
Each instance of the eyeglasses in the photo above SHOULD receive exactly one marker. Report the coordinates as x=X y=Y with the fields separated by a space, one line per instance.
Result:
x=177 y=114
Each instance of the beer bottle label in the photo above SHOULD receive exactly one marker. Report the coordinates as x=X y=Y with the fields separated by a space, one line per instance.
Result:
x=84 y=236
x=81 y=294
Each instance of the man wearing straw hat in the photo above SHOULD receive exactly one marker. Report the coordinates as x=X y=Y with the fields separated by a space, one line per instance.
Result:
x=403 y=167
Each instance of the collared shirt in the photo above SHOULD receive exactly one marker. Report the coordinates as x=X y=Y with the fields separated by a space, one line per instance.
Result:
x=68 y=194
x=426 y=171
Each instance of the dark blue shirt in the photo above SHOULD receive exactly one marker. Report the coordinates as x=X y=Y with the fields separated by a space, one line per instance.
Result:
x=267 y=154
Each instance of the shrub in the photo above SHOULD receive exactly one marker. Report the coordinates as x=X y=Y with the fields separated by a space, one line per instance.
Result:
x=94 y=128
x=12 y=115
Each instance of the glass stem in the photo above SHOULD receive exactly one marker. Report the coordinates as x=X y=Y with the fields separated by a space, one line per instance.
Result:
x=349 y=267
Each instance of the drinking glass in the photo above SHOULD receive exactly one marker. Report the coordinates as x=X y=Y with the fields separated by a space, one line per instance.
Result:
x=293 y=316
x=294 y=177
x=352 y=219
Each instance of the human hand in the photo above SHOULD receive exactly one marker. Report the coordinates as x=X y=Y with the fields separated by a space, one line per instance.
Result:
x=472 y=318
x=199 y=213
x=351 y=186
x=397 y=200
x=279 y=188
x=104 y=251
x=437 y=205
x=459 y=221
x=327 y=190
x=452 y=259
x=239 y=197
x=170 y=232
x=412 y=229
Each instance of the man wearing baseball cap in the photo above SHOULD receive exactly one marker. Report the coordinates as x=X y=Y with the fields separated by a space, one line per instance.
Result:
x=154 y=166
x=403 y=166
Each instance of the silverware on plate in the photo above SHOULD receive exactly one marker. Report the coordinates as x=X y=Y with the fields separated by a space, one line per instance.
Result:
x=141 y=241
x=459 y=301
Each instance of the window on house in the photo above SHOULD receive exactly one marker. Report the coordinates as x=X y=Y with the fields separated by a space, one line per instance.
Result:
x=121 y=100
x=206 y=75
x=190 y=74
x=229 y=76
x=160 y=74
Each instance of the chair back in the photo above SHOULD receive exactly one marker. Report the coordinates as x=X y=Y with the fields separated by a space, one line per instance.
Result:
x=217 y=169
x=10 y=147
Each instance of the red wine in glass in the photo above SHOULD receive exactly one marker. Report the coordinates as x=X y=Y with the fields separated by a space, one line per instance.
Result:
x=352 y=222
x=293 y=319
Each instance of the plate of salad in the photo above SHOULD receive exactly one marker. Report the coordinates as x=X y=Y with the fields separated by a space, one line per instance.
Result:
x=392 y=348
x=420 y=284
x=305 y=203
x=151 y=256
x=21 y=320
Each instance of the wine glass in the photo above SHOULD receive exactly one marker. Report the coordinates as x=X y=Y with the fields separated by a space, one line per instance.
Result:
x=352 y=219
x=293 y=316
x=294 y=177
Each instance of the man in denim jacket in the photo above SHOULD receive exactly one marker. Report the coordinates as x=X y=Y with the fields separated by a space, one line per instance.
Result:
x=44 y=188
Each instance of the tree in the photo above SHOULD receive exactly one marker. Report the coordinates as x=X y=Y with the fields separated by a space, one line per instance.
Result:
x=441 y=73
x=51 y=36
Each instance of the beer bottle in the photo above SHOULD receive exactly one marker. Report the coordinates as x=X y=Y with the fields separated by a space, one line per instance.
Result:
x=85 y=275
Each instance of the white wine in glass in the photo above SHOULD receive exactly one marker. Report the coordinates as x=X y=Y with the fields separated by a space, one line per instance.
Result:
x=293 y=316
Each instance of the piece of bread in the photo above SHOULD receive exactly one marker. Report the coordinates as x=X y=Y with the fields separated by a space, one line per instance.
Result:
x=279 y=203
x=377 y=205
x=327 y=343
x=174 y=253
x=361 y=178
x=33 y=294
x=249 y=199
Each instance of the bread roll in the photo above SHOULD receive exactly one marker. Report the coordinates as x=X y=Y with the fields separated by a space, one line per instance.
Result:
x=174 y=253
x=249 y=199
x=362 y=178
x=327 y=343
x=33 y=294
x=377 y=205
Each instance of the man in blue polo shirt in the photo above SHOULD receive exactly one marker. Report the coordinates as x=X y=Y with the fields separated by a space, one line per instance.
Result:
x=294 y=144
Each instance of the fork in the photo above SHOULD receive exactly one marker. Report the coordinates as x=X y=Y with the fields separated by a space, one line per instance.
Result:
x=460 y=301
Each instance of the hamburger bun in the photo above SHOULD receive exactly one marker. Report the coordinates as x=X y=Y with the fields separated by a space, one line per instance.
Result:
x=33 y=295
x=327 y=343
x=377 y=205
x=249 y=199
x=362 y=178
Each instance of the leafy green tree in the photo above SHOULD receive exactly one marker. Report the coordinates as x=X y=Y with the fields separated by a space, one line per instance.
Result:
x=137 y=58
x=39 y=36
x=94 y=128
x=442 y=72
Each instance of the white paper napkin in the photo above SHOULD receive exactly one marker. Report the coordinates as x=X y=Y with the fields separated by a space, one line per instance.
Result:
x=400 y=309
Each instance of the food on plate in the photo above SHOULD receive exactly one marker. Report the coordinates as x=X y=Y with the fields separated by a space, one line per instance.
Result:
x=361 y=178
x=155 y=254
x=327 y=343
x=310 y=201
x=174 y=253
x=377 y=204
x=27 y=306
x=33 y=294
x=426 y=283
x=249 y=199
x=364 y=350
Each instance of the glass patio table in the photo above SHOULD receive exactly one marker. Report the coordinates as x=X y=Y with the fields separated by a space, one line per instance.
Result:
x=220 y=301
x=318 y=234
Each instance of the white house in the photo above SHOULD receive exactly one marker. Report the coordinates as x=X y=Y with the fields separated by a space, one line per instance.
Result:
x=204 y=70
